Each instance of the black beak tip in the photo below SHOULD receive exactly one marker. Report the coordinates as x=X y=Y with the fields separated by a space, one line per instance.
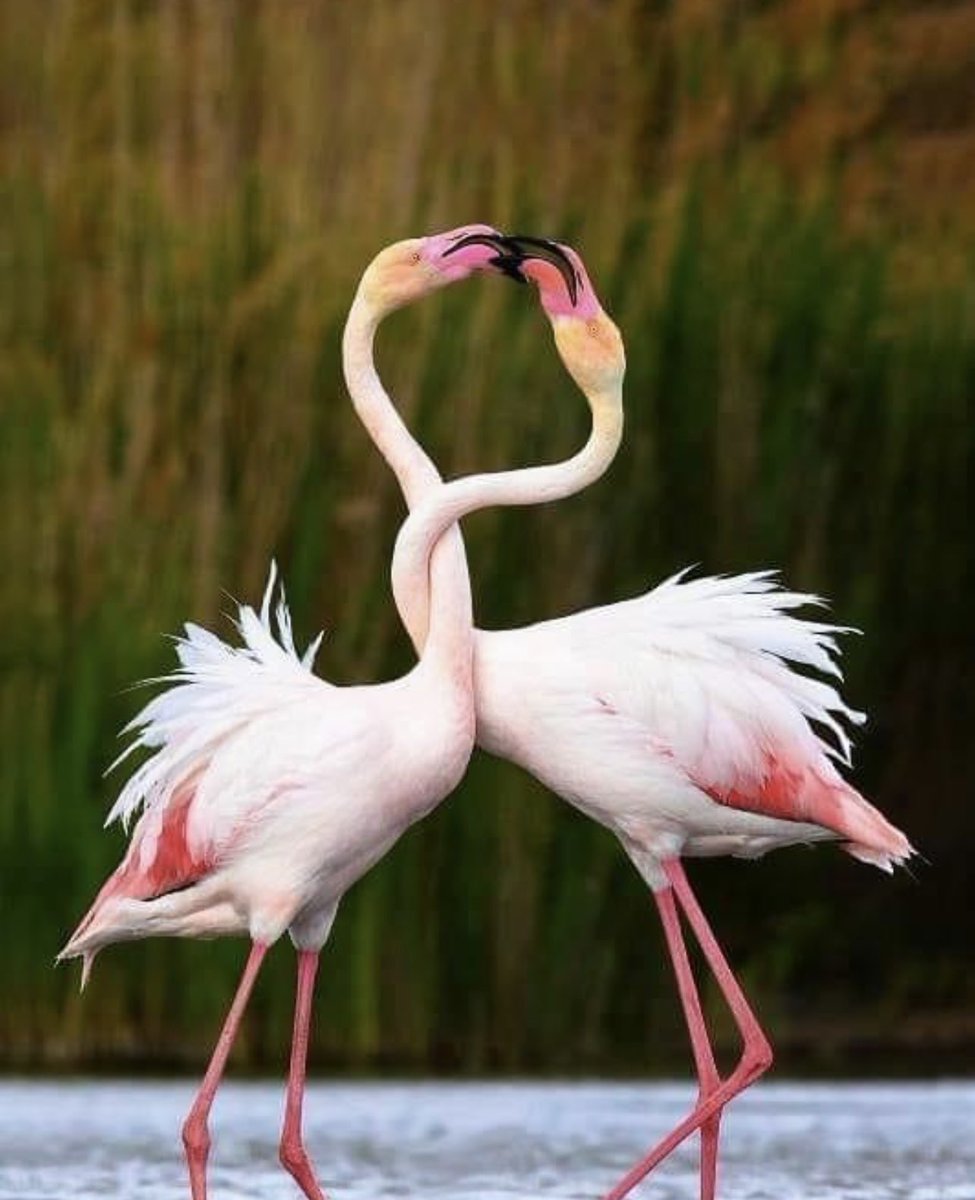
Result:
x=522 y=247
x=510 y=265
x=507 y=256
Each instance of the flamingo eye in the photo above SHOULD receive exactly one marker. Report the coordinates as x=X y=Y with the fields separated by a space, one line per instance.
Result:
x=415 y=256
x=593 y=329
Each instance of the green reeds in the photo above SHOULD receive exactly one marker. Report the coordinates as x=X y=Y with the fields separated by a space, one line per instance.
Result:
x=189 y=193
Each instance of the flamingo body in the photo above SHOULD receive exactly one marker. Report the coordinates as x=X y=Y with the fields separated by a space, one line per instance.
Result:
x=676 y=720
x=270 y=791
x=686 y=720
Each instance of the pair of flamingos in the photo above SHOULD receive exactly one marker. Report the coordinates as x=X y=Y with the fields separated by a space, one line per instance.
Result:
x=674 y=719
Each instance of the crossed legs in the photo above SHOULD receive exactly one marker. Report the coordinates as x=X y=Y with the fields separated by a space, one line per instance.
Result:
x=707 y=1070
x=756 y=1055
x=714 y=1092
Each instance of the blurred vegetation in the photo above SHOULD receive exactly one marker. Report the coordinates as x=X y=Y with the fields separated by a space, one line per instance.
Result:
x=776 y=201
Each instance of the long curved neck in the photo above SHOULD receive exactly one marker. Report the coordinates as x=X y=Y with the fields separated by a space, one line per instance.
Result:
x=445 y=581
x=533 y=485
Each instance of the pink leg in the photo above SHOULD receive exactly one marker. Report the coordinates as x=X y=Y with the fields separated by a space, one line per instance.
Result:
x=196 y=1136
x=707 y=1071
x=294 y=1157
x=756 y=1055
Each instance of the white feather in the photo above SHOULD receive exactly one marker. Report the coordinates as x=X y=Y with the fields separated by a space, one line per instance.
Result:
x=700 y=682
x=216 y=689
x=725 y=644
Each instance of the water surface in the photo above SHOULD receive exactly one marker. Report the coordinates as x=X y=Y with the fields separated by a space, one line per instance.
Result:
x=476 y=1141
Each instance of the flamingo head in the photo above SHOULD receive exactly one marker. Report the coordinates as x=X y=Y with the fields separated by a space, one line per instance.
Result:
x=408 y=270
x=587 y=340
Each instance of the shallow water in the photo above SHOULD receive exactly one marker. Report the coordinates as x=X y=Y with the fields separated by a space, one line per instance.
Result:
x=461 y=1141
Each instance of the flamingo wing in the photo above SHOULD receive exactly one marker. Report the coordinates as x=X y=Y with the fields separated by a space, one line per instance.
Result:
x=217 y=689
x=217 y=696
x=252 y=759
x=708 y=667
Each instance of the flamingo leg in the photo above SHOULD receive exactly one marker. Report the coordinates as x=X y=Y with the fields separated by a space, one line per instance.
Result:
x=196 y=1135
x=707 y=1071
x=292 y=1152
x=756 y=1054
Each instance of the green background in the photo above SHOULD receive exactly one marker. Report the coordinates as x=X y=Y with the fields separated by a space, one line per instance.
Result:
x=776 y=201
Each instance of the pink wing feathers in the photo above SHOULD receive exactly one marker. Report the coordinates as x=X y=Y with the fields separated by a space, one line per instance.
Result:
x=706 y=666
x=217 y=690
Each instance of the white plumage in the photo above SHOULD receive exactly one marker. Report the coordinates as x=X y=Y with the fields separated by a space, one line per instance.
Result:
x=677 y=717
x=268 y=792
x=216 y=690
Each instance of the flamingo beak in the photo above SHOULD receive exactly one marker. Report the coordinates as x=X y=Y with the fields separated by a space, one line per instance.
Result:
x=506 y=259
x=511 y=252
x=521 y=248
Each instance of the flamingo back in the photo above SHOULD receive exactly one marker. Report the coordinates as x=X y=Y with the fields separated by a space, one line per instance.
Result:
x=719 y=678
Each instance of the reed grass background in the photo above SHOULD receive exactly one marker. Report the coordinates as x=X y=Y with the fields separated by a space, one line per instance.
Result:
x=777 y=202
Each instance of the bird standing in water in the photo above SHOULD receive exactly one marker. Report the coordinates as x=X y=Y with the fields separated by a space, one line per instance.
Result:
x=675 y=719
x=269 y=792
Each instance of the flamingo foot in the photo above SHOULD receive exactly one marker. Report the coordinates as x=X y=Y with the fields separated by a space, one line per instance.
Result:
x=294 y=1158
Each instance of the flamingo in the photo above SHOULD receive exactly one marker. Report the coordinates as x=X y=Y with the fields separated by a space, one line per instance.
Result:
x=269 y=791
x=675 y=719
